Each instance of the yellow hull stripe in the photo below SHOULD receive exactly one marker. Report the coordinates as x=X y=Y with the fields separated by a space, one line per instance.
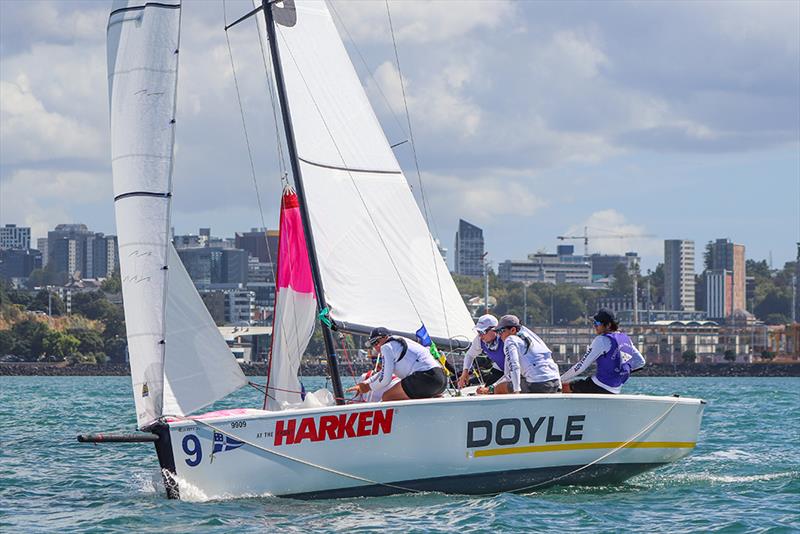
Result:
x=587 y=446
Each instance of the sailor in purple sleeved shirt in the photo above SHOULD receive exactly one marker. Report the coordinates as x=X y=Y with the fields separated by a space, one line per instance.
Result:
x=487 y=342
x=615 y=355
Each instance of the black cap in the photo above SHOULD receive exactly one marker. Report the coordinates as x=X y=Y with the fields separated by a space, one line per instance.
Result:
x=507 y=321
x=604 y=316
x=375 y=335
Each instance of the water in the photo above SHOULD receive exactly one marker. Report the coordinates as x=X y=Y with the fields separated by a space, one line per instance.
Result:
x=743 y=476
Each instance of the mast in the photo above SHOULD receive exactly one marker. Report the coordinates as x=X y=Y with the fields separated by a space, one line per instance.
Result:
x=286 y=116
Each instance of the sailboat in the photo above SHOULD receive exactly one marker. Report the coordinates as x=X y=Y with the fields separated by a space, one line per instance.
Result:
x=355 y=253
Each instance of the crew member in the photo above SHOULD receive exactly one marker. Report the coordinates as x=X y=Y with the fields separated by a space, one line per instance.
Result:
x=488 y=342
x=421 y=376
x=615 y=355
x=529 y=364
x=374 y=395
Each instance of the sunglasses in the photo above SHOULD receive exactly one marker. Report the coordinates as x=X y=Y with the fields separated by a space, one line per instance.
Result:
x=597 y=323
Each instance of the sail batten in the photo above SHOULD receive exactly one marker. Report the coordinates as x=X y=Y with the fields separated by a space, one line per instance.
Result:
x=379 y=264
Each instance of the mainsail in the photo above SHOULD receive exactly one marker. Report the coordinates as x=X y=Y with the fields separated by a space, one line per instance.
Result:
x=172 y=340
x=295 y=307
x=379 y=264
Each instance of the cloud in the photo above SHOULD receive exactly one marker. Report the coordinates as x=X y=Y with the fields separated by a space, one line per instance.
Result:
x=421 y=21
x=439 y=98
x=611 y=233
x=30 y=132
x=500 y=194
x=42 y=199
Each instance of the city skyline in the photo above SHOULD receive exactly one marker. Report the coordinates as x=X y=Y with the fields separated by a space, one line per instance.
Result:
x=531 y=121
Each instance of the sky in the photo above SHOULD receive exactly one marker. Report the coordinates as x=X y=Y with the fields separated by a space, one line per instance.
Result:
x=531 y=119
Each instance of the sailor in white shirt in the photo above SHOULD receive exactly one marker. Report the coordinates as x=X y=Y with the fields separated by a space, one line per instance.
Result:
x=529 y=364
x=421 y=376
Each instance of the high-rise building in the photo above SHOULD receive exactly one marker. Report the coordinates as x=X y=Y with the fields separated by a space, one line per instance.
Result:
x=15 y=237
x=679 y=286
x=719 y=293
x=41 y=246
x=75 y=250
x=208 y=265
x=469 y=249
x=722 y=254
x=18 y=263
x=259 y=243
x=604 y=265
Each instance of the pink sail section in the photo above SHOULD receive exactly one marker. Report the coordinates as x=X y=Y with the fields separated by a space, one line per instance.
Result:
x=295 y=308
x=294 y=269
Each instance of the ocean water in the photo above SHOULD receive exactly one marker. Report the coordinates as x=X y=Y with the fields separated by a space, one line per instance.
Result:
x=744 y=475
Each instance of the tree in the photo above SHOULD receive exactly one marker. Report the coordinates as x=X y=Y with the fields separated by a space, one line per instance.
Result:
x=767 y=355
x=115 y=349
x=730 y=356
x=7 y=342
x=90 y=340
x=622 y=286
x=689 y=356
x=112 y=284
x=30 y=339
x=60 y=346
x=48 y=302
x=46 y=277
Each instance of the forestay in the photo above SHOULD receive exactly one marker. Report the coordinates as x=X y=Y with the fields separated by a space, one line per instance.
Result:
x=378 y=261
x=142 y=65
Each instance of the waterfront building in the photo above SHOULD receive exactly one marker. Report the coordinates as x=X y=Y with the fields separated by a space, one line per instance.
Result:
x=722 y=254
x=719 y=293
x=564 y=268
x=679 y=285
x=240 y=306
x=469 y=249
x=15 y=237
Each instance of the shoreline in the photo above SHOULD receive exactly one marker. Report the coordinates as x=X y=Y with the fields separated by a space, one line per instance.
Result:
x=255 y=370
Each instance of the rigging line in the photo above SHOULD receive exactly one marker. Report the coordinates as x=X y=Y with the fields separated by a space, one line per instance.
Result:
x=246 y=136
x=428 y=219
x=244 y=123
x=273 y=99
x=267 y=63
x=281 y=160
x=300 y=460
x=369 y=71
x=352 y=178
x=604 y=456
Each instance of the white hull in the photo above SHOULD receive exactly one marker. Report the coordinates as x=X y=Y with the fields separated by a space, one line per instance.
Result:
x=428 y=445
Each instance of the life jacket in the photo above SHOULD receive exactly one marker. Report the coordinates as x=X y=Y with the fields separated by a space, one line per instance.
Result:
x=495 y=354
x=611 y=369
x=403 y=344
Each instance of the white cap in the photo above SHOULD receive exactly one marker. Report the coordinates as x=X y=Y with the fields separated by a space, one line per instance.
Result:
x=485 y=322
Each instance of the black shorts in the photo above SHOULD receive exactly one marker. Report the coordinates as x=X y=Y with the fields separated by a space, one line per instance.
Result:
x=550 y=386
x=586 y=385
x=424 y=384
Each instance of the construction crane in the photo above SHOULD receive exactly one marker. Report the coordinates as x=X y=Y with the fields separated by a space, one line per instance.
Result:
x=585 y=237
